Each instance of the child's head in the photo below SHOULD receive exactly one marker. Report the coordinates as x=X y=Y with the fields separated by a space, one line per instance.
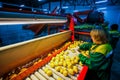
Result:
x=99 y=36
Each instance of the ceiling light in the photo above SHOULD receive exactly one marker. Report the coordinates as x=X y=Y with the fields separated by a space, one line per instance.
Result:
x=102 y=1
x=45 y=10
x=65 y=7
x=20 y=9
x=16 y=21
x=75 y=10
x=22 y=5
x=103 y=8
x=40 y=0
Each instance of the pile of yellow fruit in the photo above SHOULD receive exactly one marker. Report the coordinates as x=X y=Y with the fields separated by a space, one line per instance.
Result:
x=47 y=71
x=65 y=64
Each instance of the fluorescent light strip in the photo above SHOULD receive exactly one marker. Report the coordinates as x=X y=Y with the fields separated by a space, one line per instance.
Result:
x=103 y=1
x=42 y=21
x=103 y=8
x=65 y=7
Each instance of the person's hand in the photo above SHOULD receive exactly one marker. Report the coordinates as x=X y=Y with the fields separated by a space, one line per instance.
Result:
x=85 y=46
x=82 y=58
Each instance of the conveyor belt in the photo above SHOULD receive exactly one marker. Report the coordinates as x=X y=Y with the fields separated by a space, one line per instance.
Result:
x=37 y=71
x=26 y=51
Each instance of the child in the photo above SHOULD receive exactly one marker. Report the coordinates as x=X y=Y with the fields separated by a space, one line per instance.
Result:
x=98 y=61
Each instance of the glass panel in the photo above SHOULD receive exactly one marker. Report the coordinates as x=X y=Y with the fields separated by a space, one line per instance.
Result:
x=11 y=34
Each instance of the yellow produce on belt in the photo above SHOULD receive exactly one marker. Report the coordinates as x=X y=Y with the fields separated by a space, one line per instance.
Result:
x=69 y=65
x=71 y=71
x=57 y=68
x=65 y=73
x=12 y=76
x=64 y=64
x=60 y=63
x=39 y=60
x=22 y=70
x=49 y=73
x=61 y=70
x=59 y=78
x=80 y=63
x=52 y=65
x=49 y=54
x=75 y=69
x=45 y=69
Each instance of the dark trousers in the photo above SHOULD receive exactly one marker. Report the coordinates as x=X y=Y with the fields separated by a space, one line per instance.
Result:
x=91 y=75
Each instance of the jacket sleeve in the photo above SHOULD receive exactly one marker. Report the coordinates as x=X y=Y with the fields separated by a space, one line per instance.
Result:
x=85 y=46
x=96 y=60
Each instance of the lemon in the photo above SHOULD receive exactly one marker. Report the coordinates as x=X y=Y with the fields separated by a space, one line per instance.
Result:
x=49 y=73
x=65 y=73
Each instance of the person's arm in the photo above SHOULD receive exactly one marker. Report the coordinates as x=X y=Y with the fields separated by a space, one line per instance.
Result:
x=85 y=46
x=94 y=62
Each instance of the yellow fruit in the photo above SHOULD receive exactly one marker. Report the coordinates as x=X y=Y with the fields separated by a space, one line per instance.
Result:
x=60 y=63
x=59 y=78
x=51 y=61
x=75 y=69
x=58 y=55
x=35 y=63
x=57 y=58
x=71 y=71
x=39 y=60
x=75 y=61
x=22 y=70
x=12 y=76
x=56 y=50
x=53 y=58
x=49 y=54
x=77 y=58
x=57 y=68
x=64 y=64
x=68 y=62
x=45 y=70
x=73 y=58
x=87 y=52
x=65 y=73
x=61 y=60
x=61 y=71
x=61 y=57
x=68 y=48
x=56 y=63
x=52 y=65
x=80 y=63
x=67 y=57
x=49 y=73
x=66 y=53
x=72 y=62
x=69 y=65
x=73 y=51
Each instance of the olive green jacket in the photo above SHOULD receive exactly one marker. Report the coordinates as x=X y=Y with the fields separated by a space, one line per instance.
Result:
x=98 y=61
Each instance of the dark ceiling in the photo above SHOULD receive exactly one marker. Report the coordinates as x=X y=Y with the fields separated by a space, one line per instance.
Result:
x=38 y=3
x=29 y=3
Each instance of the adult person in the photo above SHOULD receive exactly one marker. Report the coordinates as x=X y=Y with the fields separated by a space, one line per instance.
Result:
x=98 y=60
x=115 y=68
x=114 y=34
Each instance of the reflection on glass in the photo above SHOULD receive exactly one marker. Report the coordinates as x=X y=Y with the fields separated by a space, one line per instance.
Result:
x=11 y=34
